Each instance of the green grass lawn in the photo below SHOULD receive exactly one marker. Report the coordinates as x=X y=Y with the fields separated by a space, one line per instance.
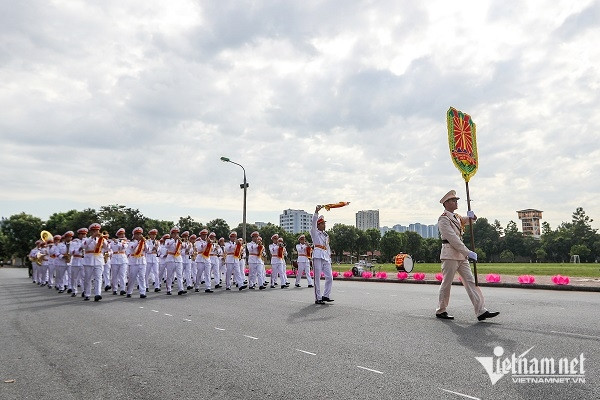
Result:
x=586 y=270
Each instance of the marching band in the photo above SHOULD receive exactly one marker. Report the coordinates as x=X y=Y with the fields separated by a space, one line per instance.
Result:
x=120 y=265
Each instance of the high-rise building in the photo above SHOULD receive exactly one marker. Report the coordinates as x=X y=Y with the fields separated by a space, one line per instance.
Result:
x=367 y=219
x=260 y=225
x=295 y=221
x=530 y=221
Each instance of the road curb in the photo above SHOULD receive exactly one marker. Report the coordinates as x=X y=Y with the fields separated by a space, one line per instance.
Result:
x=569 y=288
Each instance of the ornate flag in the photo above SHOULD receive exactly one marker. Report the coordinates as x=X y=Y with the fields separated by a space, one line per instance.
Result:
x=336 y=205
x=462 y=141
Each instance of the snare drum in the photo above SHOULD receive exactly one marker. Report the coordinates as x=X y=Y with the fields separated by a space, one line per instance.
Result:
x=408 y=263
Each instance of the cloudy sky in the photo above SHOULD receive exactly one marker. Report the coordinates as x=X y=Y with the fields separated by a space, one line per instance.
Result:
x=134 y=102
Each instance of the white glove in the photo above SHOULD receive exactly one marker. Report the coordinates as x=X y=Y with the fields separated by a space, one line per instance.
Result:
x=471 y=214
x=472 y=255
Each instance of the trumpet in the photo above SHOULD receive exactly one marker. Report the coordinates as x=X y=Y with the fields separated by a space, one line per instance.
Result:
x=105 y=234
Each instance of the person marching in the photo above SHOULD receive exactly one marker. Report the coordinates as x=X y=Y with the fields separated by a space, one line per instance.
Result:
x=215 y=264
x=186 y=255
x=455 y=258
x=152 y=259
x=254 y=253
x=233 y=251
x=202 y=250
x=221 y=254
x=63 y=261
x=106 y=277
x=193 y=256
x=119 y=265
x=76 y=250
x=262 y=254
x=53 y=253
x=321 y=257
x=174 y=261
x=33 y=257
x=304 y=253
x=278 y=253
x=162 y=260
x=136 y=250
x=93 y=262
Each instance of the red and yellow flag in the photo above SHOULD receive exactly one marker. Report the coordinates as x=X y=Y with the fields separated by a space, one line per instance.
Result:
x=336 y=205
x=462 y=139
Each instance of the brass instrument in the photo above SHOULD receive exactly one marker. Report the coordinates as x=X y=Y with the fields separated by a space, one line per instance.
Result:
x=106 y=256
x=45 y=235
x=105 y=234
x=68 y=254
x=39 y=258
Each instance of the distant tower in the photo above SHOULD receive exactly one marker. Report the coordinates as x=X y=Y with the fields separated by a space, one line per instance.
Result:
x=367 y=219
x=530 y=220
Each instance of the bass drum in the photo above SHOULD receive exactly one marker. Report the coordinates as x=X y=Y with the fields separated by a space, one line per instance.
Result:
x=408 y=264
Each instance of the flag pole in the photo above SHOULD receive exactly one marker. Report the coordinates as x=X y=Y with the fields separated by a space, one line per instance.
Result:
x=471 y=231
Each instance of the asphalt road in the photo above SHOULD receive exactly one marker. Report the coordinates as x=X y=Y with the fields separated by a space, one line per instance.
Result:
x=377 y=340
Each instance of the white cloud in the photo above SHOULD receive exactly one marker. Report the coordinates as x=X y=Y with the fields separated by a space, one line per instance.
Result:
x=134 y=103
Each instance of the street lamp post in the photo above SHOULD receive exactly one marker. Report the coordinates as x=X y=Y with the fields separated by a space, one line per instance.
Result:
x=242 y=186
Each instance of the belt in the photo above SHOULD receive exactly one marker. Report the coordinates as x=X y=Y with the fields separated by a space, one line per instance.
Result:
x=119 y=252
x=174 y=254
x=77 y=255
x=321 y=246
x=230 y=254
x=445 y=241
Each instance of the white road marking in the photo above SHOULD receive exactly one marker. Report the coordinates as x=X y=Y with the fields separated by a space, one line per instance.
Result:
x=219 y=329
x=461 y=394
x=97 y=342
x=369 y=369
x=575 y=334
x=251 y=337
x=168 y=315
x=187 y=320
x=141 y=307
x=298 y=301
x=306 y=352
x=154 y=310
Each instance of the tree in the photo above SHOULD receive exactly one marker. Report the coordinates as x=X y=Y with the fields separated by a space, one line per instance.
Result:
x=342 y=238
x=21 y=230
x=374 y=237
x=114 y=217
x=219 y=227
x=188 y=224
x=507 y=256
x=391 y=244
x=412 y=243
x=161 y=226
x=582 y=251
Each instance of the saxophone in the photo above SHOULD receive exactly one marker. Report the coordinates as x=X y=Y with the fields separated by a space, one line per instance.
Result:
x=68 y=253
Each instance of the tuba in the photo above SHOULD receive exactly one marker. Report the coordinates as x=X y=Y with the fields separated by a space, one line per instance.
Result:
x=45 y=235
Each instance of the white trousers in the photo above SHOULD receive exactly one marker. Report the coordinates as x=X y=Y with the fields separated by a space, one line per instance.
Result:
x=174 y=268
x=322 y=265
x=106 y=274
x=215 y=269
x=92 y=272
x=152 y=268
x=253 y=274
x=61 y=271
x=137 y=274
x=187 y=272
x=451 y=267
x=118 y=275
x=303 y=266
x=76 y=275
x=203 y=273
x=233 y=268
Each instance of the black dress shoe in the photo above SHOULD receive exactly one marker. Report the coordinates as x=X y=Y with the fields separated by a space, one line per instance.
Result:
x=227 y=288
x=82 y=294
x=252 y=287
x=181 y=292
x=272 y=287
x=97 y=297
x=444 y=315
x=310 y=285
x=61 y=291
x=73 y=295
x=122 y=292
x=297 y=285
x=156 y=289
x=319 y=302
x=114 y=292
x=128 y=295
x=217 y=286
x=208 y=291
x=327 y=299
x=142 y=296
x=189 y=287
x=487 y=315
x=106 y=288
x=86 y=298
x=168 y=293
x=283 y=287
x=196 y=290
x=261 y=288
x=70 y=291
x=242 y=287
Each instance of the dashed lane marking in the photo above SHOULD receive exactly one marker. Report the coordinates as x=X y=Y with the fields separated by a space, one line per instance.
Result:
x=460 y=394
x=576 y=334
x=168 y=315
x=306 y=352
x=187 y=320
x=251 y=337
x=154 y=310
x=369 y=369
x=219 y=329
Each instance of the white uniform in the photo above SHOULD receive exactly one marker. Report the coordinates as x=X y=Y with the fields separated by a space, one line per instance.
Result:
x=34 y=267
x=136 y=250
x=119 y=265
x=93 y=264
x=232 y=265
x=454 y=259
x=186 y=253
x=202 y=264
x=152 y=262
x=215 y=263
x=321 y=259
x=303 y=263
x=254 y=253
x=51 y=265
x=174 y=264
x=77 y=272
x=62 y=263
x=278 y=254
